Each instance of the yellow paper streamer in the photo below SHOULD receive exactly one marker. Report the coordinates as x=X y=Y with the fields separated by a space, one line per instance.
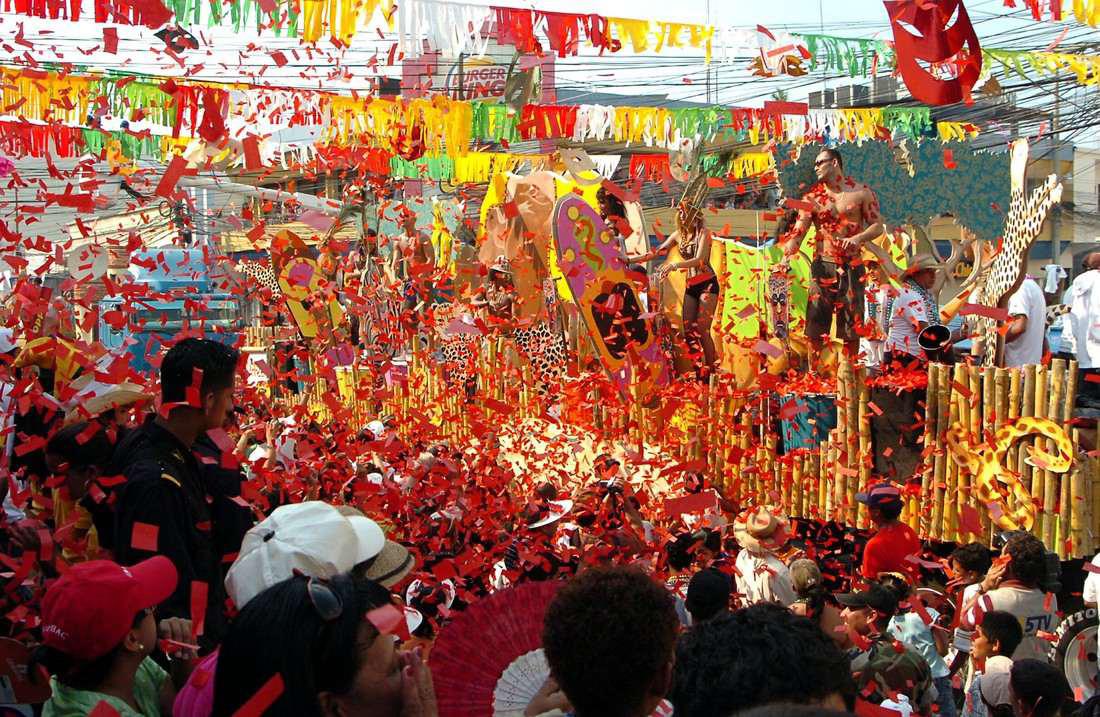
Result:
x=956 y=131
x=480 y=167
x=1087 y=11
x=859 y=124
x=342 y=17
x=63 y=98
x=1086 y=67
x=752 y=164
x=637 y=31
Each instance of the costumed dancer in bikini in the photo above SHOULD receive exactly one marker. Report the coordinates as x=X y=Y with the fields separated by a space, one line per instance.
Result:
x=846 y=215
x=693 y=240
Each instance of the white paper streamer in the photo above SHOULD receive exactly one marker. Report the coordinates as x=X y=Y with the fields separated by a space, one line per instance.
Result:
x=606 y=164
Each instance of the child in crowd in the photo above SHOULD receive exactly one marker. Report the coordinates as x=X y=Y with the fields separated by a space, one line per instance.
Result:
x=927 y=638
x=99 y=632
x=969 y=564
x=997 y=635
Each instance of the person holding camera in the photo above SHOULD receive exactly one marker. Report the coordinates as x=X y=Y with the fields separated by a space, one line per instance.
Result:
x=1015 y=584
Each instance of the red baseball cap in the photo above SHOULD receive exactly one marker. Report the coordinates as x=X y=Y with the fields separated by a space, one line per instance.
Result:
x=89 y=610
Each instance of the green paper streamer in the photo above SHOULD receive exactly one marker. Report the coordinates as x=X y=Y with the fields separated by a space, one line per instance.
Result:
x=851 y=56
x=908 y=121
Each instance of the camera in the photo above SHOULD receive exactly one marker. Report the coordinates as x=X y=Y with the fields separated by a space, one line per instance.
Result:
x=610 y=487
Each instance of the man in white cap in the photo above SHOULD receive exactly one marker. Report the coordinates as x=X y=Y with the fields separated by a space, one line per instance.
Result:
x=911 y=311
x=761 y=576
x=313 y=538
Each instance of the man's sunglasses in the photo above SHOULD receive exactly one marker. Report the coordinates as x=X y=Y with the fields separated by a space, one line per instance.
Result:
x=820 y=162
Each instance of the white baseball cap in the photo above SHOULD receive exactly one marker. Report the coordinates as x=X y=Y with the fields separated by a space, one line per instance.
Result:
x=7 y=340
x=312 y=538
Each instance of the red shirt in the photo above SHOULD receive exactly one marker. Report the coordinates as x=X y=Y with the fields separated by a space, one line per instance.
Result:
x=887 y=550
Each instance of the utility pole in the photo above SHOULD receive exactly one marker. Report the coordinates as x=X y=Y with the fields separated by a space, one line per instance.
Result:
x=709 y=101
x=1056 y=211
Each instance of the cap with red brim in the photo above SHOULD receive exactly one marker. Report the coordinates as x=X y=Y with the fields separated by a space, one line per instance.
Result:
x=89 y=610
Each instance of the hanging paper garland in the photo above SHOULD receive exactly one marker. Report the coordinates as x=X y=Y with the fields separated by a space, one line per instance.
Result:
x=1086 y=11
x=490 y=122
x=851 y=56
x=908 y=121
x=23 y=139
x=1086 y=67
x=435 y=126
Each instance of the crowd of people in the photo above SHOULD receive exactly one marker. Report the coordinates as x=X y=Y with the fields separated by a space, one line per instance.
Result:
x=182 y=554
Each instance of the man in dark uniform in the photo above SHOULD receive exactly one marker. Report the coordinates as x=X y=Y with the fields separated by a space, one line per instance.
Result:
x=164 y=507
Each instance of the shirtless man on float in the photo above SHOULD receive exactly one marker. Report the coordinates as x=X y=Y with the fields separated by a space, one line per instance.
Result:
x=411 y=249
x=846 y=215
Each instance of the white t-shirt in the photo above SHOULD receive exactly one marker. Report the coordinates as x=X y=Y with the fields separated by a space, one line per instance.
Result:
x=1091 y=591
x=1054 y=273
x=1031 y=606
x=873 y=346
x=1028 y=348
x=906 y=316
x=1081 y=335
x=762 y=577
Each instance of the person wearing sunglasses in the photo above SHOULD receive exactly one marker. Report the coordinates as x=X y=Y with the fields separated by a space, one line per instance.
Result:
x=316 y=635
x=98 y=632
x=845 y=214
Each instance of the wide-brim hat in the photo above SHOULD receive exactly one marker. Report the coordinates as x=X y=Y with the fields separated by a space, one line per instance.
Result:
x=392 y=564
x=920 y=262
x=99 y=400
x=762 y=529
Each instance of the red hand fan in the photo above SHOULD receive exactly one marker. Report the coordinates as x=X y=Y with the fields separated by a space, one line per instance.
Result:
x=489 y=660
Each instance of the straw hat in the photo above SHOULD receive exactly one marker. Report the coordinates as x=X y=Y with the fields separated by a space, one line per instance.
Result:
x=762 y=529
x=392 y=564
x=501 y=265
x=920 y=262
x=805 y=575
x=97 y=398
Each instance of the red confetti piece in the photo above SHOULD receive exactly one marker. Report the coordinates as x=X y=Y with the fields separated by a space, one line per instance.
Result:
x=767 y=349
x=969 y=520
x=103 y=709
x=989 y=312
x=263 y=699
x=251 y=147
x=688 y=504
x=199 y=591
x=799 y=204
x=144 y=537
x=110 y=40
x=176 y=169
